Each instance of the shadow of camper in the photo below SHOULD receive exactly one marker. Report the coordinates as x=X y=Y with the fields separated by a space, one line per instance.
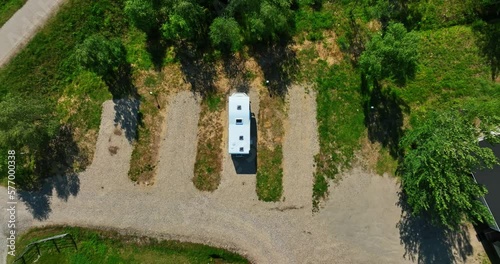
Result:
x=247 y=164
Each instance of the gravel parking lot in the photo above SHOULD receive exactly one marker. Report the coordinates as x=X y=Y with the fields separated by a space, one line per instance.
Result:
x=359 y=223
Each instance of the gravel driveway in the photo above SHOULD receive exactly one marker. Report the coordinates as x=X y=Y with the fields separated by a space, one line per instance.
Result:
x=358 y=224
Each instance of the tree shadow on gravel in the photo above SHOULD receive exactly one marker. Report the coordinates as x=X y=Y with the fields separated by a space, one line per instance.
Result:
x=58 y=171
x=198 y=70
x=425 y=243
x=58 y=168
x=126 y=115
x=38 y=201
x=234 y=67
x=279 y=64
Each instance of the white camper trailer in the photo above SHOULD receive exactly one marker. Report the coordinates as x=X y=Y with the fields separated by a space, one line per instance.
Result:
x=239 y=124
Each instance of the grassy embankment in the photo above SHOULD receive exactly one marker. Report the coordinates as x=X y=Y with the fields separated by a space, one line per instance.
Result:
x=8 y=8
x=99 y=246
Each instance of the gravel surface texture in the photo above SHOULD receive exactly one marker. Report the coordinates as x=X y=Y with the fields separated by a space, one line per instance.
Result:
x=299 y=148
x=357 y=225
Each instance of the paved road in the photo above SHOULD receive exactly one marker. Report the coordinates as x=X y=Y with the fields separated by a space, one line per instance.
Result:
x=23 y=25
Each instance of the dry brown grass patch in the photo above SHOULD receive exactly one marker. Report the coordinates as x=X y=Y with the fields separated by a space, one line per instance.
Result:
x=86 y=146
x=151 y=119
x=272 y=112
x=375 y=158
x=326 y=49
x=208 y=165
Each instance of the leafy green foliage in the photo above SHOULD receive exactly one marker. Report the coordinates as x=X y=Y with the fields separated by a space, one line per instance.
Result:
x=100 y=55
x=441 y=154
x=185 y=21
x=392 y=55
x=25 y=122
x=26 y=125
x=452 y=73
x=141 y=13
x=313 y=22
x=429 y=14
x=44 y=72
x=262 y=20
x=228 y=24
x=225 y=33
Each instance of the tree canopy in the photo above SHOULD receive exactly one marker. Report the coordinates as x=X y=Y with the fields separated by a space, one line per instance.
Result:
x=391 y=55
x=100 y=55
x=26 y=124
x=225 y=33
x=227 y=24
x=184 y=21
x=142 y=13
x=441 y=154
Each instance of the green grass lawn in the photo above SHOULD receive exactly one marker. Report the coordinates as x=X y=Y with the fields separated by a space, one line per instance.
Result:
x=8 y=8
x=451 y=73
x=269 y=177
x=95 y=246
x=340 y=124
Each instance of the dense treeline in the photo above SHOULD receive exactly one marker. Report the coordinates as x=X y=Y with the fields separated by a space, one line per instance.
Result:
x=227 y=24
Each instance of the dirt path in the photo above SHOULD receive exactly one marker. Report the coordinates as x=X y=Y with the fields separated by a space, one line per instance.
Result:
x=23 y=25
x=358 y=224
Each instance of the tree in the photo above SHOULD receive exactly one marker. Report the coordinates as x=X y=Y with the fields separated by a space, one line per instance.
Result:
x=261 y=20
x=185 y=21
x=391 y=55
x=225 y=33
x=26 y=125
x=100 y=55
x=142 y=14
x=441 y=154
